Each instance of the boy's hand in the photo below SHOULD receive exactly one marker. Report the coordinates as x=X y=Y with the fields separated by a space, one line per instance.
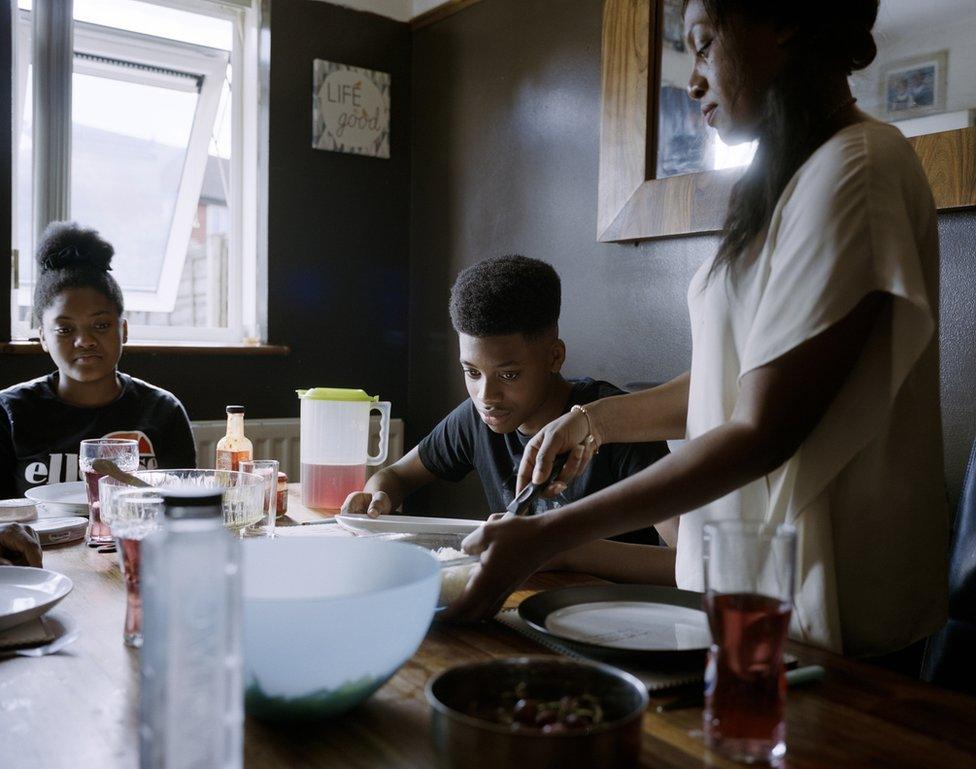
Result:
x=19 y=546
x=372 y=503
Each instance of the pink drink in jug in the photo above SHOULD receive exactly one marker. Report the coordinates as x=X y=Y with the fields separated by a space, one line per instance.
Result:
x=325 y=487
x=335 y=443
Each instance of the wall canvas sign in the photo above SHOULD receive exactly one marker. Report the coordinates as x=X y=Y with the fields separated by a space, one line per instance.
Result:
x=350 y=109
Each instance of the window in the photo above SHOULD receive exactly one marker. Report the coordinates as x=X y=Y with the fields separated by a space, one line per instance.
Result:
x=162 y=161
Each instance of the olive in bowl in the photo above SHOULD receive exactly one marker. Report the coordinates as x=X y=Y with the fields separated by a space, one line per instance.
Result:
x=538 y=712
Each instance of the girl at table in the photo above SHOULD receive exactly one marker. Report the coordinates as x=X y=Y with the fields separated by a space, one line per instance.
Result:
x=43 y=421
x=813 y=394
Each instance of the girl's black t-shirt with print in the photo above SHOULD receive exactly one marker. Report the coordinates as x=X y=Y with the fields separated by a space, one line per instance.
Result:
x=40 y=433
x=462 y=442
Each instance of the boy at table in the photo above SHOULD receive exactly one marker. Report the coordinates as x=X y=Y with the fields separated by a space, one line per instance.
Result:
x=43 y=421
x=506 y=314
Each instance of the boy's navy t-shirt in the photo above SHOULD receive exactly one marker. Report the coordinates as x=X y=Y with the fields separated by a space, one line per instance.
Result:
x=40 y=433
x=462 y=442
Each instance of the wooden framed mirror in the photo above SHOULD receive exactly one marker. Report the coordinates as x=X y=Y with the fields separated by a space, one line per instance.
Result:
x=663 y=175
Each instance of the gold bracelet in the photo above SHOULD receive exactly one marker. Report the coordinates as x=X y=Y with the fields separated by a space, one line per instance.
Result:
x=590 y=438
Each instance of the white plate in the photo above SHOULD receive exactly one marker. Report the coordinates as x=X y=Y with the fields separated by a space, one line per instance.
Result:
x=61 y=498
x=407 y=524
x=632 y=626
x=26 y=592
x=624 y=619
x=57 y=531
x=17 y=510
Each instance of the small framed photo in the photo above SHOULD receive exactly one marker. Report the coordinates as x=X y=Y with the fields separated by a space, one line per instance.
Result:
x=915 y=86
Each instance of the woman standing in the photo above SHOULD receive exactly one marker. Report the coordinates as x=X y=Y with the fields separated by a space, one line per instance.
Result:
x=813 y=392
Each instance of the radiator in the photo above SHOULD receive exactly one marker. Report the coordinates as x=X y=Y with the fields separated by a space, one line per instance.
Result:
x=279 y=439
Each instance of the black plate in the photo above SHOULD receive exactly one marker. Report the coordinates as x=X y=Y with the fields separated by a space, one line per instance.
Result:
x=537 y=608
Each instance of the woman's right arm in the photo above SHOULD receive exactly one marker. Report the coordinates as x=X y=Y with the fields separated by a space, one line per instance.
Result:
x=619 y=562
x=657 y=414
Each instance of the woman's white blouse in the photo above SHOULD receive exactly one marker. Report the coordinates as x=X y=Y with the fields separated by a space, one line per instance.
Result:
x=866 y=490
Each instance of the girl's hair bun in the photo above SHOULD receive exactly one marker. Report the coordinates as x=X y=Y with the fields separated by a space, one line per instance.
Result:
x=66 y=246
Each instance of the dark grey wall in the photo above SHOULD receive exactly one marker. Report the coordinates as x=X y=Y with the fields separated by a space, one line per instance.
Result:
x=504 y=118
x=6 y=97
x=338 y=238
x=505 y=158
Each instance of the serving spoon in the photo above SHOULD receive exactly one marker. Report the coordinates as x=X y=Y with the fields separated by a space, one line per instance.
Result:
x=109 y=468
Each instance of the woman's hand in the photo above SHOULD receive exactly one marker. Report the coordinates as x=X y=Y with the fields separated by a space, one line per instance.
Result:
x=569 y=433
x=19 y=546
x=512 y=548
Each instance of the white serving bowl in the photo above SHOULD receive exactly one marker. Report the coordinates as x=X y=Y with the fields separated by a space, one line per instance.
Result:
x=328 y=621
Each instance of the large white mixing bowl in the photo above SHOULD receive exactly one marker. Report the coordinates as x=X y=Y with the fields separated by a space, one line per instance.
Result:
x=329 y=621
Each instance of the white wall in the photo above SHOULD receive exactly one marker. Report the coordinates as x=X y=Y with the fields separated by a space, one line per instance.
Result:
x=958 y=36
x=400 y=10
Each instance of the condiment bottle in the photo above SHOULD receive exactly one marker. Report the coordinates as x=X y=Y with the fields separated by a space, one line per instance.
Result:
x=282 y=490
x=234 y=446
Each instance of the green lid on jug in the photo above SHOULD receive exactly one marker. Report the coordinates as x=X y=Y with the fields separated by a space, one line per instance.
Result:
x=336 y=394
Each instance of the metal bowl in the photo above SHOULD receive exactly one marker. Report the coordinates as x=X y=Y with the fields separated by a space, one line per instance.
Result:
x=463 y=740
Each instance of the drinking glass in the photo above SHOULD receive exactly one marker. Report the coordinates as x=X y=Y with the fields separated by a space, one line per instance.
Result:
x=133 y=514
x=124 y=454
x=749 y=571
x=268 y=470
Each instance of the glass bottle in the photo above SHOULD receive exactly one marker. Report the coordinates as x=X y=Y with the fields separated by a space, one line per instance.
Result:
x=192 y=698
x=234 y=446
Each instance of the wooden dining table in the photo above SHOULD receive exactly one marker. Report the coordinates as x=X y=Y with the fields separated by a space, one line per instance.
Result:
x=79 y=708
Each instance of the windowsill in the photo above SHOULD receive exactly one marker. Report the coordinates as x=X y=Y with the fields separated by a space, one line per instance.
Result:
x=168 y=348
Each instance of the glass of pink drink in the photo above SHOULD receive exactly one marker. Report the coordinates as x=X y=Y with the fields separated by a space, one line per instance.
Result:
x=121 y=452
x=133 y=514
x=749 y=571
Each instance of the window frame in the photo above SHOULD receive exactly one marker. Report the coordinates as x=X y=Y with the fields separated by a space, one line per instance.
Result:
x=246 y=257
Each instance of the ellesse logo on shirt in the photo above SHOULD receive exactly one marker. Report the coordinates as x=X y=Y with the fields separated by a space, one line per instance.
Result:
x=63 y=468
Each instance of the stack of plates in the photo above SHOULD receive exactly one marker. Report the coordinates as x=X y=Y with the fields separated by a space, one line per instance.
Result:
x=62 y=510
x=56 y=500
x=26 y=593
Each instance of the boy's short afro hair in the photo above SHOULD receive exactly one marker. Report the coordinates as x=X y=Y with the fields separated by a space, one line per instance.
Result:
x=507 y=295
x=69 y=256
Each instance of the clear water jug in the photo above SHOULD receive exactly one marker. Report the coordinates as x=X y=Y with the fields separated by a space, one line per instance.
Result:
x=335 y=443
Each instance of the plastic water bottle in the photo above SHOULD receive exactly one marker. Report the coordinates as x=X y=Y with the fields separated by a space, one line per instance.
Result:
x=191 y=709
